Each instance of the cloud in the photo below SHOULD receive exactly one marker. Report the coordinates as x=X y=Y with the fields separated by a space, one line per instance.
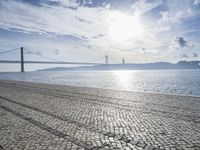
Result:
x=106 y=5
x=85 y=25
x=196 y=2
x=142 y=6
x=175 y=16
x=52 y=19
x=163 y=29
x=56 y=52
x=65 y=3
x=195 y=55
x=184 y=56
x=178 y=11
x=179 y=42
x=68 y=3
x=89 y=24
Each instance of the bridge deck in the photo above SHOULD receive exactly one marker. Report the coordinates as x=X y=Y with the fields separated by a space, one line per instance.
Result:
x=49 y=62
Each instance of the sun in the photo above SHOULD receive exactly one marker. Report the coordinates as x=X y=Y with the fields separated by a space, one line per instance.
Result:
x=122 y=27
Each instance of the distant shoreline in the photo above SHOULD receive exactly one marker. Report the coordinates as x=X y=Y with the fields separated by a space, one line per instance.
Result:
x=143 y=66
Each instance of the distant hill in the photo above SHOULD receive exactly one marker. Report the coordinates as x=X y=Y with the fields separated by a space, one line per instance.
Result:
x=142 y=66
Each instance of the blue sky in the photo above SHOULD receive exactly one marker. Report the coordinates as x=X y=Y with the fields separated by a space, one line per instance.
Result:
x=87 y=30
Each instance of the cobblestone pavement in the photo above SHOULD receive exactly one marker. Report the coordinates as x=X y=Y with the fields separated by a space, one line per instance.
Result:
x=42 y=116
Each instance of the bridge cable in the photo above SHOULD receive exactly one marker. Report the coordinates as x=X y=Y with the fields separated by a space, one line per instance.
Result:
x=35 y=53
x=8 y=51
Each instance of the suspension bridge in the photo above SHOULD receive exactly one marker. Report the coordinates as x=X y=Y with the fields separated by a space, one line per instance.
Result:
x=52 y=61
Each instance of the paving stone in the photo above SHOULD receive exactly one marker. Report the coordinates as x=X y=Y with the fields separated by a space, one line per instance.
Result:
x=42 y=116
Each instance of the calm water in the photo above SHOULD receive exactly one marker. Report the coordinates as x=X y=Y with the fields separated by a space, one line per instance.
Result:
x=186 y=82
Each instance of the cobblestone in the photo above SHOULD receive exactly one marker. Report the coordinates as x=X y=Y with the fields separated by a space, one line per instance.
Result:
x=84 y=118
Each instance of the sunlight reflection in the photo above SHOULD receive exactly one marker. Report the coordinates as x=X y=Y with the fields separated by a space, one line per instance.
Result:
x=123 y=78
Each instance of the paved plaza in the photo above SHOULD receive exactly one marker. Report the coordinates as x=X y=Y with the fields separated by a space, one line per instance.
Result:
x=35 y=116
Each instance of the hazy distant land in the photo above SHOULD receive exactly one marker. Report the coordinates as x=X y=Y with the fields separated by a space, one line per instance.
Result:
x=130 y=66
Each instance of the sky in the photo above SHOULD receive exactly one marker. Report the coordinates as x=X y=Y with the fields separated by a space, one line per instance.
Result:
x=139 y=31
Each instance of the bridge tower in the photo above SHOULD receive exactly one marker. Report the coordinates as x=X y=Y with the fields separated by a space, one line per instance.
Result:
x=123 y=61
x=22 y=59
x=106 y=59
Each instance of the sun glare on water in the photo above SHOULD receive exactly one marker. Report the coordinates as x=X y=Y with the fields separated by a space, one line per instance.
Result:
x=123 y=78
x=123 y=27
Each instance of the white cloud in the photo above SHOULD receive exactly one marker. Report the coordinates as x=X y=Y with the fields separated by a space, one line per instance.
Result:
x=66 y=3
x=163 y=29
x=175 y=16
x=58 y=20
x=71 y=3
x=91 y=25
x=196 y=2
x=106 y=5
x=178 y=11
x=84 y=23
x=142 y=6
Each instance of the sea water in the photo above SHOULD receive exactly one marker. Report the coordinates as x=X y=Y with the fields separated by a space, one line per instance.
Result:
x=184 y=82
